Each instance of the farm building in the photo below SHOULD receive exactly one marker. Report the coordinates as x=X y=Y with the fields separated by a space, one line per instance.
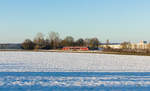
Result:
x=111 y=45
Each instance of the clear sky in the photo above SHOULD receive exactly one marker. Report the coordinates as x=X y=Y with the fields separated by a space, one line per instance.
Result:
x=117 y=20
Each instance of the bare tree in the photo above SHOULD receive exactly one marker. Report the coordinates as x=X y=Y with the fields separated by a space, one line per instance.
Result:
x=54 y=39
x=39 y=36
x=68 y=41
x=39 y=41
x=126 y=45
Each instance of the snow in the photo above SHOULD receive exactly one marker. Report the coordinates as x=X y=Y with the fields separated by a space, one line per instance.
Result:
x=71 y=62
x=46 y=81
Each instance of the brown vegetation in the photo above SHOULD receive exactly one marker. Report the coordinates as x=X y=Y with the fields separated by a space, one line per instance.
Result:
x=53 y=41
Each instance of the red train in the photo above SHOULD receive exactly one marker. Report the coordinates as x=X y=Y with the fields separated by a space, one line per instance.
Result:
x=76 y=48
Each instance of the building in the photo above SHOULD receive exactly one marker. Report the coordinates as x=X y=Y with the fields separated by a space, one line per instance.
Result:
x=141 y=45
x=75 y=48
x=111 y=45
x=10 y=46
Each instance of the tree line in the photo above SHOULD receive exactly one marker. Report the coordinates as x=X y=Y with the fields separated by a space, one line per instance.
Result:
x=53 y=41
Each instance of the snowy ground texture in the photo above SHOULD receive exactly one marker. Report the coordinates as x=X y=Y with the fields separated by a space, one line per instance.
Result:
x=71 y=62
x=51 y=71
x=74 y=81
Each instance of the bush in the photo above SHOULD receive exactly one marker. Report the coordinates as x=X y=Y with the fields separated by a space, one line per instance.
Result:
x=28 y=44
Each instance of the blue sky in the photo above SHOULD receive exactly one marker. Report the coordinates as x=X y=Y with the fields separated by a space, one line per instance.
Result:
x=117 y=20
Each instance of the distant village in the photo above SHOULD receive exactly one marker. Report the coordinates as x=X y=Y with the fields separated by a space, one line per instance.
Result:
x=54 y=42
x=141 y=45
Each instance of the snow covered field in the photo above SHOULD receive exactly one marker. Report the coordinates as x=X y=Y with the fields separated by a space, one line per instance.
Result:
x=60 y=62
x=51 y=71
x=107 y=80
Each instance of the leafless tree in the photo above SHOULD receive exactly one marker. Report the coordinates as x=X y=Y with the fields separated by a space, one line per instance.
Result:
x=68 y=41
x=54 y=39
x=39 y=41
x=126 y=45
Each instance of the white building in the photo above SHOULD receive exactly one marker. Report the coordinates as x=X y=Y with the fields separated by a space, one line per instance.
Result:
x=141 y=45
x=111 y=45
